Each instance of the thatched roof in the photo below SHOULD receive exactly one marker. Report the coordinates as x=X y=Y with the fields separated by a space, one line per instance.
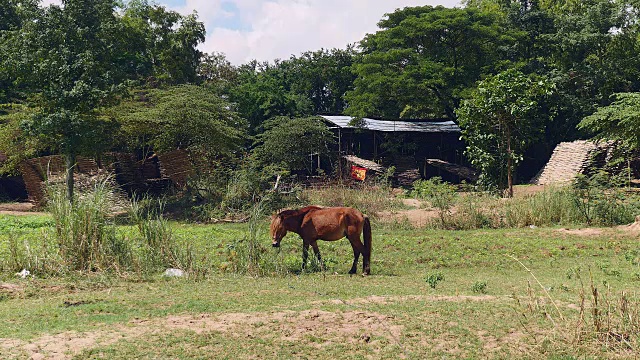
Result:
x=367 y=164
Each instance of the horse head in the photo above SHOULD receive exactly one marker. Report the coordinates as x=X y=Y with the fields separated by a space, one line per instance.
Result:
x=278 y=231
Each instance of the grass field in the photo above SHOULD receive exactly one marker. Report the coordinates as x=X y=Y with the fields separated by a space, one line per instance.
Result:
x=432 y=294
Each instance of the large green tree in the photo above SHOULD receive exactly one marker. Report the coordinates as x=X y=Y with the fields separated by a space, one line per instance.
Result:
x=70 y=59
x=181 y=117
x=499 y=121
x=423 y=60
x=310 y=84
x=162 y=44
x=13 y=14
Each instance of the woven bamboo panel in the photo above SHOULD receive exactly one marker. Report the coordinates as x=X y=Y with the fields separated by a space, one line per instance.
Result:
x=126 y=169
x=176 y=166
x=35 y=172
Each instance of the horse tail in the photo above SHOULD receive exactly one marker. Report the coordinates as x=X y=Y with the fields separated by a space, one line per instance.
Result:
x=366 y=232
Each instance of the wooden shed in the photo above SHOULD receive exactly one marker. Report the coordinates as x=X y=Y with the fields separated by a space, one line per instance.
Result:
x=406 y=144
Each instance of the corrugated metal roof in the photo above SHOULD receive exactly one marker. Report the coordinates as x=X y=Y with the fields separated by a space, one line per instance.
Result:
x=398 y=126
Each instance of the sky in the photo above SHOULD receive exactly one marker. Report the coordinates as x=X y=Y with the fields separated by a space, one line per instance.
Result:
x=266 y=30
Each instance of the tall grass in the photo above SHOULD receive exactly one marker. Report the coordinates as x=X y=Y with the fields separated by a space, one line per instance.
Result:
x=568 y=205
x=160 y=248
x=250 y=255
x=371 y=200
x=85 y=233
x=606 y=320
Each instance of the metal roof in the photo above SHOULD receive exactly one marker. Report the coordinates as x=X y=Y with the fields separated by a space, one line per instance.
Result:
x=394 y=125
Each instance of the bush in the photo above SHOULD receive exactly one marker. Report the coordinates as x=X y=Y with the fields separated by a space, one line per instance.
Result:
x=434 y=279
x=600 y=200
x=229 y=193
x=479 y=287
x=595 y=200
x=441 y=195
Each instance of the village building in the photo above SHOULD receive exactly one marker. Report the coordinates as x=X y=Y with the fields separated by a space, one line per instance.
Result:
x=416 y=148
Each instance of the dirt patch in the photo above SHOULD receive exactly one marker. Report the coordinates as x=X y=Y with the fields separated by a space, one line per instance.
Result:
x=19 y=209
x=330 y=327
x=582 y=232
x=632 y=228
x=527 y=190
x=418 y=215
x=10 y=290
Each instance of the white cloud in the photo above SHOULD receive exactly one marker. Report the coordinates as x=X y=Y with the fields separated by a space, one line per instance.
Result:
x=281 y=28
x=272 y=29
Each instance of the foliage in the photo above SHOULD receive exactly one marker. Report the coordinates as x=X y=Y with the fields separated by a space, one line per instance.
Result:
x=182 y=117
x=161 y=43
x=618 y=121
x=594 y=201
x=423 y=60
x=289 y=142
x=600 y=200
x=85 y=234
x=314 y=83
x=479 y=287
x=434 y=278
x=14 y=143
x=441 y=195
x=161 y=249
x=499 y=121
x=70 y=59
x=227 y=192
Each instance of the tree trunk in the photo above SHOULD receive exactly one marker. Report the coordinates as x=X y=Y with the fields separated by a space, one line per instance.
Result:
x=70 y=164
x=509 y=164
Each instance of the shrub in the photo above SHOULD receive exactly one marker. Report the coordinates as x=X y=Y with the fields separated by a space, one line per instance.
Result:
x=441 y=195
x=479 y=287
x=600 y=200
x=434 y=279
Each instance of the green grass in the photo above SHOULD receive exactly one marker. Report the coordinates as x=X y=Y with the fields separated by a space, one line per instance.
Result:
x=393 y=313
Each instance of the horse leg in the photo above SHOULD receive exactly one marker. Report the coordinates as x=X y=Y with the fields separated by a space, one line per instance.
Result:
x=356 y=256
x=358 y=248
x=305 y=254
x=316 y=251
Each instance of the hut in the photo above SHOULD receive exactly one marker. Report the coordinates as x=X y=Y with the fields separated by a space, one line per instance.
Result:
x=409 y=145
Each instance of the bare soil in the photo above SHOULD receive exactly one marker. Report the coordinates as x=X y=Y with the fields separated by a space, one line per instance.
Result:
x=418 y=214
x=333 y=327
x=19 y=209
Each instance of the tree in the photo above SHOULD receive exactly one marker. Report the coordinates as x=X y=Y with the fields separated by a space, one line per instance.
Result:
x=289 y=142
x=161 y=43
x=215 y=70
x=13 y=14
x=70 y=60
x=311 y=84
x=423 y=60
x=182 y=117
x=619 y=121
x=499 y=121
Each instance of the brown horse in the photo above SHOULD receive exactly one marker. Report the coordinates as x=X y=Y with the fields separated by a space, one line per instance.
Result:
x=314 y=223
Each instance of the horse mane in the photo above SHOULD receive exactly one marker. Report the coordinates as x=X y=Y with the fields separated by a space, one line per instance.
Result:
x=278 y=219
